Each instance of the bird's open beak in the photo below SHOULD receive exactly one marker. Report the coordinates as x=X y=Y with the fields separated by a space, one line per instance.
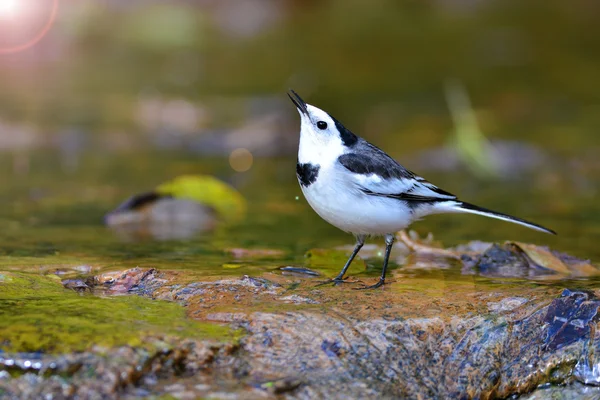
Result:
x=300 y=104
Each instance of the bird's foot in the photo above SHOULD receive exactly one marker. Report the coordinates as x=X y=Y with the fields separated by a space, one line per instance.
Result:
x=422 y=248
x=380 y=283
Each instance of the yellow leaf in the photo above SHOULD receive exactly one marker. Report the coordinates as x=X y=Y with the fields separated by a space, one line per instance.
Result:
x=205 y=189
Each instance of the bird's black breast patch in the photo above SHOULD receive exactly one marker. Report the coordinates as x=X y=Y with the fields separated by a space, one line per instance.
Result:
x=307 y=173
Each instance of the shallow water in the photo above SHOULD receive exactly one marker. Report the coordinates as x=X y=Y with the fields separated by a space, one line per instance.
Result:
x=51 y=218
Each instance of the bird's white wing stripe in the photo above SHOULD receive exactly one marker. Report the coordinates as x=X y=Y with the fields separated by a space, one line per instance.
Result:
x=426 y=189
x=414 y=187
x=376 y=184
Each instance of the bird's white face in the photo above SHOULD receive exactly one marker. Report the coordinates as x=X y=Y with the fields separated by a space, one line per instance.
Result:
x=321 y=141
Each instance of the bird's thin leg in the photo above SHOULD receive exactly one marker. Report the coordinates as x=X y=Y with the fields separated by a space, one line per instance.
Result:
x=360 y=241
x=389 y=242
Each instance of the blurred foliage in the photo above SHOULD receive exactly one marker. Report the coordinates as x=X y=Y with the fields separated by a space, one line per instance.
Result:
x=470 y=143
x=382 y=64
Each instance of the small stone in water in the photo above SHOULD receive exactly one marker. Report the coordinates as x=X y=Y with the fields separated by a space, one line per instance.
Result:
x=76 y=284
x=290 y=270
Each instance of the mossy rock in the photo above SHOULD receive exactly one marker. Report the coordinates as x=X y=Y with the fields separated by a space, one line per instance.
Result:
x=38 y=315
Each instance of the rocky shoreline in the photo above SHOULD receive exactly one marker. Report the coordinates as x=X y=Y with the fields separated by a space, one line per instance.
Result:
x=446 y=336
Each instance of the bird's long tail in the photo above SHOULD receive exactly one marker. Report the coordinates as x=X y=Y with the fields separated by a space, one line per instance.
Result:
x=461 y=206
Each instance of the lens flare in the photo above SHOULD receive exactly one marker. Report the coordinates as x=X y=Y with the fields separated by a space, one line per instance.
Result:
x=8 y=8
x=11 y=8
x=241 y=160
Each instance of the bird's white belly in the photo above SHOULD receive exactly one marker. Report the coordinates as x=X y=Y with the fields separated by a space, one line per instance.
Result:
x=353 y=211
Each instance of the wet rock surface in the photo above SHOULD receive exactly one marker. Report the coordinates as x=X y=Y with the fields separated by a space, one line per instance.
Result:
x=433 y=333
x=103 y=373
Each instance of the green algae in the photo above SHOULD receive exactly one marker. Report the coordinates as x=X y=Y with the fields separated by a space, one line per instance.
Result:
x=38 y=315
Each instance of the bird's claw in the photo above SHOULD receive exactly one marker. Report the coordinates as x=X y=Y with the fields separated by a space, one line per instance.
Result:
x=380 y=283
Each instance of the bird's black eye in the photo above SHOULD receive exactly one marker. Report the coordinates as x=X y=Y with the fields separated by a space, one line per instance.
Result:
x=322 y=125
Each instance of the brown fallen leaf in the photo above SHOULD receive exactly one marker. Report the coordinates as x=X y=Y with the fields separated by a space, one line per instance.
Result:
x=584 y=268
x=544 y=258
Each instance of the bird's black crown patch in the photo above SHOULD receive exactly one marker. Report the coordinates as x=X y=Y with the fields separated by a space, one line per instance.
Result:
x=307 y=173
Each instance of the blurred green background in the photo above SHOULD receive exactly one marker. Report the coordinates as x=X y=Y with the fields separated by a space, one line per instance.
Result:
x=119 y=96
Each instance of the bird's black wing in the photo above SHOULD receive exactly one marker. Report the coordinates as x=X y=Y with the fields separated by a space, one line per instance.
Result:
x=377 y=174
x=368 y=159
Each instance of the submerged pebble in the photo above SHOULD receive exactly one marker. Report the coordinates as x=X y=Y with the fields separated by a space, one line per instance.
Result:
x=299 y=271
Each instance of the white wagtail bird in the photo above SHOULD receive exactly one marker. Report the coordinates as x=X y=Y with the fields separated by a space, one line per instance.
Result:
x=358 y=188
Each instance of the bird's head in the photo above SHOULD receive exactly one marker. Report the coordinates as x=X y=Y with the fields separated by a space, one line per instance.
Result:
x=320 y=128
